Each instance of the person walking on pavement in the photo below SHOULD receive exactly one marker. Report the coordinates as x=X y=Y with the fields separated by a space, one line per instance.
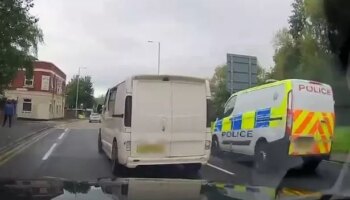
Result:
x=9 y=111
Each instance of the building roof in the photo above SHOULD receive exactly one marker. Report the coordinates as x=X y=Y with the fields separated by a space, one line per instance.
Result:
x=49 y=66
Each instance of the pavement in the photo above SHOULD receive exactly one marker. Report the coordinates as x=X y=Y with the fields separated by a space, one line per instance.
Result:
x=23 y=128
x=70 y=151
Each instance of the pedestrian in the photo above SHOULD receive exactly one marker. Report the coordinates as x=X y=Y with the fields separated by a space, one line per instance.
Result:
x=8 y=112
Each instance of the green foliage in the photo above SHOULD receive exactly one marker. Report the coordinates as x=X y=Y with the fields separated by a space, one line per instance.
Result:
x=86 y=92
x=19 y=38
x=341 y=142
x=218 y=89
x=218 y=86
x=310 y=47
x=100 y=99
x=302 y=51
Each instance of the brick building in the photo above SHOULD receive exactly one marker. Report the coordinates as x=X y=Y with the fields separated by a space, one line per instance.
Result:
x=41 y=96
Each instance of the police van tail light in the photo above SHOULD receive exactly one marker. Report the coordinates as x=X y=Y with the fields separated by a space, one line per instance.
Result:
x=289 y=121
x=207 y=144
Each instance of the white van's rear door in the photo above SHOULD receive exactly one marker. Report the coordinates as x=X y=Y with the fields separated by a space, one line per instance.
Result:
x=188 y=118
x=151 y=118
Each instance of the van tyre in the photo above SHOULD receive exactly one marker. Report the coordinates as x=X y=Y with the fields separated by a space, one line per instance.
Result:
x=192 y=168
x=262 y=157
x=99 y=145
x=311 y=164
x=117 y=168
x=215 y=146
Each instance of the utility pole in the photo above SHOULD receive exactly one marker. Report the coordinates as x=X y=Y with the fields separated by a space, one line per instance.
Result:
x=150 y=41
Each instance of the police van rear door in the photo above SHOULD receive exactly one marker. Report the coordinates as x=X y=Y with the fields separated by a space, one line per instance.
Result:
x=313 y=118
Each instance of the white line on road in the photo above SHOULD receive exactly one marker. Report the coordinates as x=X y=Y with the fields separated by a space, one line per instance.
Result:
x=218 y=168
x=48 y=153
x=65 y=131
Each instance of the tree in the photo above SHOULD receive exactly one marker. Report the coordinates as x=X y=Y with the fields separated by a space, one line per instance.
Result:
x=302 y=51
x=100 y=99
x=86 y=92
x=19 y=38
x=218 y=86
x=316 y=42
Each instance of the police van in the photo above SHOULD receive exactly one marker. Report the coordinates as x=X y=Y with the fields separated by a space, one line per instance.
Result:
x=156 y=120
x=278 y=122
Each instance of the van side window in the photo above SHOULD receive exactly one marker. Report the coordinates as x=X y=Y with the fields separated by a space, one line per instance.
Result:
x=230 y=106
x=111 y=101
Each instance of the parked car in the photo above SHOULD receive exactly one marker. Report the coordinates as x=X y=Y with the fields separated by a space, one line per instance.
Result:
x=95 y=117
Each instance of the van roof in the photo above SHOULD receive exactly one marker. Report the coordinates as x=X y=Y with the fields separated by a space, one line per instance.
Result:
x=160 y=77
x=173 y=77
x=270 y=85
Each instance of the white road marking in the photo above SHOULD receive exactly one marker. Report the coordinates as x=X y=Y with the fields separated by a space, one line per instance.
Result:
x=223 y=170
x=62 y=135
x=48 y=153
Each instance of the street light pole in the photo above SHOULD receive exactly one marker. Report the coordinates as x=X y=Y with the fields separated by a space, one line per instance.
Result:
x=77 y=94
x=150 y=41
x=158 y=58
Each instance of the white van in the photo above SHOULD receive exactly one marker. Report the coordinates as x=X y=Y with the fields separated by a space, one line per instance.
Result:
x=285 y=119
x=156 y=120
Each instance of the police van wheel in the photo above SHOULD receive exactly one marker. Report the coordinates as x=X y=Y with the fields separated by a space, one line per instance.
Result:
x=215 y=146
x=261 y=157
x=99 y=146
x=311 y=164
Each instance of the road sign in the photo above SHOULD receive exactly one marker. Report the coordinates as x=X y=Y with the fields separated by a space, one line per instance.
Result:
x=242 y=72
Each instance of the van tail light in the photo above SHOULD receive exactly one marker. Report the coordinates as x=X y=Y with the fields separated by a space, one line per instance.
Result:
x=289 y=121
x=128 y=145
x=209 y=112
x=127 y=111
x=207 y=144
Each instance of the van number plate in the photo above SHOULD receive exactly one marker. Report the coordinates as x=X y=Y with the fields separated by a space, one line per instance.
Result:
x=150 y=148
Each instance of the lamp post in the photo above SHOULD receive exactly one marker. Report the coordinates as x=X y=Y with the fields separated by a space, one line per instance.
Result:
x=150 y=41
x=77 y=94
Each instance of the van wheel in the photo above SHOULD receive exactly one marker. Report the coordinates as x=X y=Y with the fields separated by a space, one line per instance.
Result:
x=99 y=146
x=117 y=168
x=192 y=168
x=261 y=157
x=215 y=146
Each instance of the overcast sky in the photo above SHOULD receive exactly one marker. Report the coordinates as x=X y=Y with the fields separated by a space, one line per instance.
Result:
x=109 y=37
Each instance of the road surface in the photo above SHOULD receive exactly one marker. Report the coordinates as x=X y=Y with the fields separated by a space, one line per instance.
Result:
x=70 y=151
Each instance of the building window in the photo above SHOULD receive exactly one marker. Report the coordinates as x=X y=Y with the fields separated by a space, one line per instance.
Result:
x=28 y=82
x=27 y=105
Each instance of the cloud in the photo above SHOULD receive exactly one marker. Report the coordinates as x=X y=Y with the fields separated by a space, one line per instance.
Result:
x=109 y=37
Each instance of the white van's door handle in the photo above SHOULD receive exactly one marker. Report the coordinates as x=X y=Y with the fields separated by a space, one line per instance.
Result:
x=163 y=123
